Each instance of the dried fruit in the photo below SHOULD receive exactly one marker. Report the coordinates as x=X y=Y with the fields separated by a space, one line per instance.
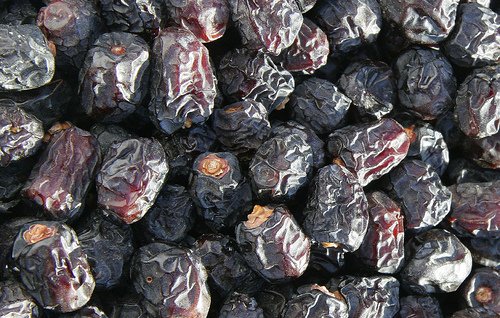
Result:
x=482 y=289
x=16 y=302
x=267 y=25
x=172 y=281
x=370 y=150
x=53 y=266
x=316 y=301
x=241 y=305
x=182 y=82
x=134 y=16
x=429 y=146
x=336 y=214
x=61 y=179
x=131 y=176
x=273 y=244
x=26 y=61
x=419 y=306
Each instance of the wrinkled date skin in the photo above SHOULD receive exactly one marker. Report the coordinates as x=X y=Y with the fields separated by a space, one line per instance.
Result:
x=73 y=26
x=478 y=103
x=316 y=301
x=436 y=261
x=207 y=19
x=273 y=244
x=241 y=305
x=375 y=296
x=108 y=247
x=53 y=266
x=383 y=246
x=131 y=177
x=423 y=22
x=349 y=24
x=485 y=151
x=309 y=51
x=426 y=84
x=370 y=150
x=182 y=82
x=253 y=75
x=424 y=200
x=474 y=40
x=429 y=146
x=281 y=167
x=172 y=281
x=419 y=306
x=114 y=76
x=61 y=179
x=219 y=189
x=319 y=105
x=336 y=214
x=475 y=209
x=227 y=269
x=26 y=61
x=16 y=302
x=242 y=126
x=20 y=134
x=268 y=25
x=482 y=289
x=134 y=16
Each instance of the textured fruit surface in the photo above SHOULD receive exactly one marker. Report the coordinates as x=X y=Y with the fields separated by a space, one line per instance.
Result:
x=172 y=281
x=316 y=301
x=20 y=134
x=370 y=150
x=131 y=175
x=241 y=305
x=482 y=289
x=428 y=145
x=134 y=16
x=53 y=266
x=253 y=75
x=61 y=179
x=383 y=245
x=268 y=25
x=108 y=91
x=273 y=244
x=26 y=59
x=423 y=22
x=336 y=214
x=419 y=306
x=16 y=302
x=182 y=81
x=436 y=261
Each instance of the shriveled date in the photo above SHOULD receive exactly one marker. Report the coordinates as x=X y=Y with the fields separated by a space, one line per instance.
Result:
x=182 y=81
x=62 y=177
x=131 y=176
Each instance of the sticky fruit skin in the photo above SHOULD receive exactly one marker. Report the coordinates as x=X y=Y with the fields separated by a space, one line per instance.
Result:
x=370 y=150
x=52 y=265
x=61 y=179
x=273 y=244
x=182 y=81
x=316 y=301
x=482 y=289
x=171 y=280
x=16 y=302
x=134 y=16
x=241 y=305
x=131 y=176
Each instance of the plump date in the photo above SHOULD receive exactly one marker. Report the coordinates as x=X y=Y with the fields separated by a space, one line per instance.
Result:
x=107 y=92
x=268 y=25
x=336 y=214
x=273 y=244
x=134 y=16
x=253 y=75
x=131 y=176
x=182 y=82
x=482 y=289
x=474 y=209
x=308 y=52
x=425 y=201
x=436 y=261
x=383 y=245
x=20 y=134
x=53 y=266
x=478 y=103
x=26 y=60
x=370 y=150
x=428 y=145
x=172 y=281
x=61 y=179
x=219 y=189
x=207 y=19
